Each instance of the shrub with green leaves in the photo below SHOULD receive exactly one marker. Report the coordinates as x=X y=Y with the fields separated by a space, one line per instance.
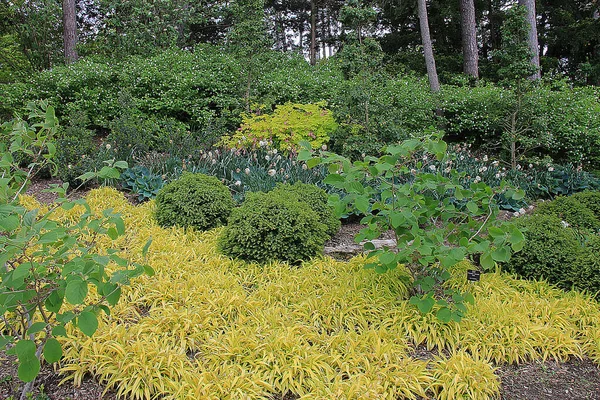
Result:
x=316 y=198
x=75 y=151
x=273 y=226
x=285 y=128
x=572 y=211
x=437 y=221
x=47 y=260
x=586 y=275
x=550 y=252
x=590 y=199
x=194 y=200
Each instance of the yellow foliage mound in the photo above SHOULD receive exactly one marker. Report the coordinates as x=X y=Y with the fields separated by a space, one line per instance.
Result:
x=207 y=327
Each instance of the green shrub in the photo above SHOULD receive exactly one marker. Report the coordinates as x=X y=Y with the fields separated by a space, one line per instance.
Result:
x=377 y=111
x=590 y=199
x=550 y=250
x=76 y=152
x=194 y=200
x=316 y=198
x=285 y=128
x=587 y=274
x=273 y=226
x=572 y=211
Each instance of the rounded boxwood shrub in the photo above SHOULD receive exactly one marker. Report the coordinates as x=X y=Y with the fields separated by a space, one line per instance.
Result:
x=316 y=198
x=590 y=199
x=273 y=226
x=550 y=250
x=571 y=210
x=194 y=200
x=587 y=274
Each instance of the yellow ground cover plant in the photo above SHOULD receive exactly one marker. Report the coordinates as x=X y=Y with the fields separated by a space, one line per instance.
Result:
x=208 y=327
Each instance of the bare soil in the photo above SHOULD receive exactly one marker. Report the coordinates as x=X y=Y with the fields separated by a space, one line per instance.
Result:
x=47 y=385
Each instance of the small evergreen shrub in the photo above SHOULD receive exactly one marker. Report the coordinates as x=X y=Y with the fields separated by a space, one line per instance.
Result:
x=587 y=274
x=550 y=250
x=273 y=226
x=194 y=200
x=571 y=210
x=590 y=199
x=316 y=198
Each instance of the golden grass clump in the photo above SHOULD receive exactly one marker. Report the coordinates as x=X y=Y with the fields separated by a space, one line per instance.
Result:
x=209 y=327
x=463 y=377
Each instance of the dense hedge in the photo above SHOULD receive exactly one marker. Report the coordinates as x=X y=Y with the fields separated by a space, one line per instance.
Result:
x=207 y=90
x=316 y=198
x=550 y=251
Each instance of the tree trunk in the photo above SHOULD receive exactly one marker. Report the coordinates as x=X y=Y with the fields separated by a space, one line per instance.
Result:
x=70 y=31
x=469 y=38
x=323 y=35
x=533 y=37
x=313 y=33
x=434 y=84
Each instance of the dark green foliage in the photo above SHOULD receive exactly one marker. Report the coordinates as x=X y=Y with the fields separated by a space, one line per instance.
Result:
x=563 y=123
x=572 y=211
x=515 y=55
x=375 y=111
x=316 y=198
x=587 y=274
x=134 y=133
x=194 y=200
x=550 y=251
x=273 y=226
x=590 y=199
x=140 y=181
x=76 y=152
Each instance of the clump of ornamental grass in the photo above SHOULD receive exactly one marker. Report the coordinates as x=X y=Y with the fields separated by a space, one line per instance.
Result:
x=207 y=326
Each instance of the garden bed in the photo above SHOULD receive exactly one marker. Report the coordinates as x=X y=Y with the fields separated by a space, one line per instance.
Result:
x=209 y=327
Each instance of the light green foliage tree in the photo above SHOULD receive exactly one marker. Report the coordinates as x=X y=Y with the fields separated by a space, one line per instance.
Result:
x=247 y=39
x=515 y=57
x=357 y=17
x=46 y=264
x=437 y=222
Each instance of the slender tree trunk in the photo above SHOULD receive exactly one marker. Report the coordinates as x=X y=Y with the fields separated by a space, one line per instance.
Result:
x=323 y=35
x=533 y=37
x=70 y=31
x=469 y=38
x=313 y=32
x=434 y=83
x=329 y=35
